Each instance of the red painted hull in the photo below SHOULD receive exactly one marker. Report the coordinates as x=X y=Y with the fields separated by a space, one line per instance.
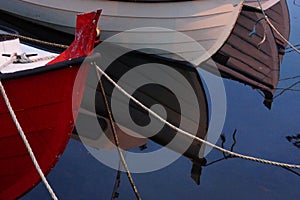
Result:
x=43 y=105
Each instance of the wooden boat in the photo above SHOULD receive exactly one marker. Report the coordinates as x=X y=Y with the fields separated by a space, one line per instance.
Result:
x=207 y=22
x=46 y=100
x=242 y=58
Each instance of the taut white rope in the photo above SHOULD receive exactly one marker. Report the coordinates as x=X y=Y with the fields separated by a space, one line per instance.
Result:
x=23 y=136
x=42 y=58
x=35 y=40
x=116 y=138
x=191 y=135
x=12 y=59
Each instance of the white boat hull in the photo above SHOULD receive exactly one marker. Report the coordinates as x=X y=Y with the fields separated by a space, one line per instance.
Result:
x=265 y=4
x=207 y=23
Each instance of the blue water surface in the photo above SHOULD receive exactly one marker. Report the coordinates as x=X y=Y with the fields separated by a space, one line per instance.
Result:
x=260 y=133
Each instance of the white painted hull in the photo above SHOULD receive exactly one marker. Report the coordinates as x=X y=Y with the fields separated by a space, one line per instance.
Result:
x=265 y=4
x=206 y=22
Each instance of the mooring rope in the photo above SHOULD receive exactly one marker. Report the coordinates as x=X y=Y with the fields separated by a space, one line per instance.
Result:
x=23 y=60
x=23 y=136
x=115 y=193
x=42 y=58
x=133 y=186
x=12 y=59
x=275 y=29
x=289 y=88
x=290 y=78
x=264 y=37
x=35 y=40
x=246 y=157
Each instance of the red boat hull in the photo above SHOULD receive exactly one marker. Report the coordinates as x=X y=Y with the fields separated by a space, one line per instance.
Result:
x=43 y=106
x=46 y=110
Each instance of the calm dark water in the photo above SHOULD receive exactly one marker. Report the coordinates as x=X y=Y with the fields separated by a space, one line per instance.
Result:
x=260 y=132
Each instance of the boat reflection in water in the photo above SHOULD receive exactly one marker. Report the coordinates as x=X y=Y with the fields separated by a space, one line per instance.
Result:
x=239 y=59
x=254 y=61
x=253 y=52
x=194 y=117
